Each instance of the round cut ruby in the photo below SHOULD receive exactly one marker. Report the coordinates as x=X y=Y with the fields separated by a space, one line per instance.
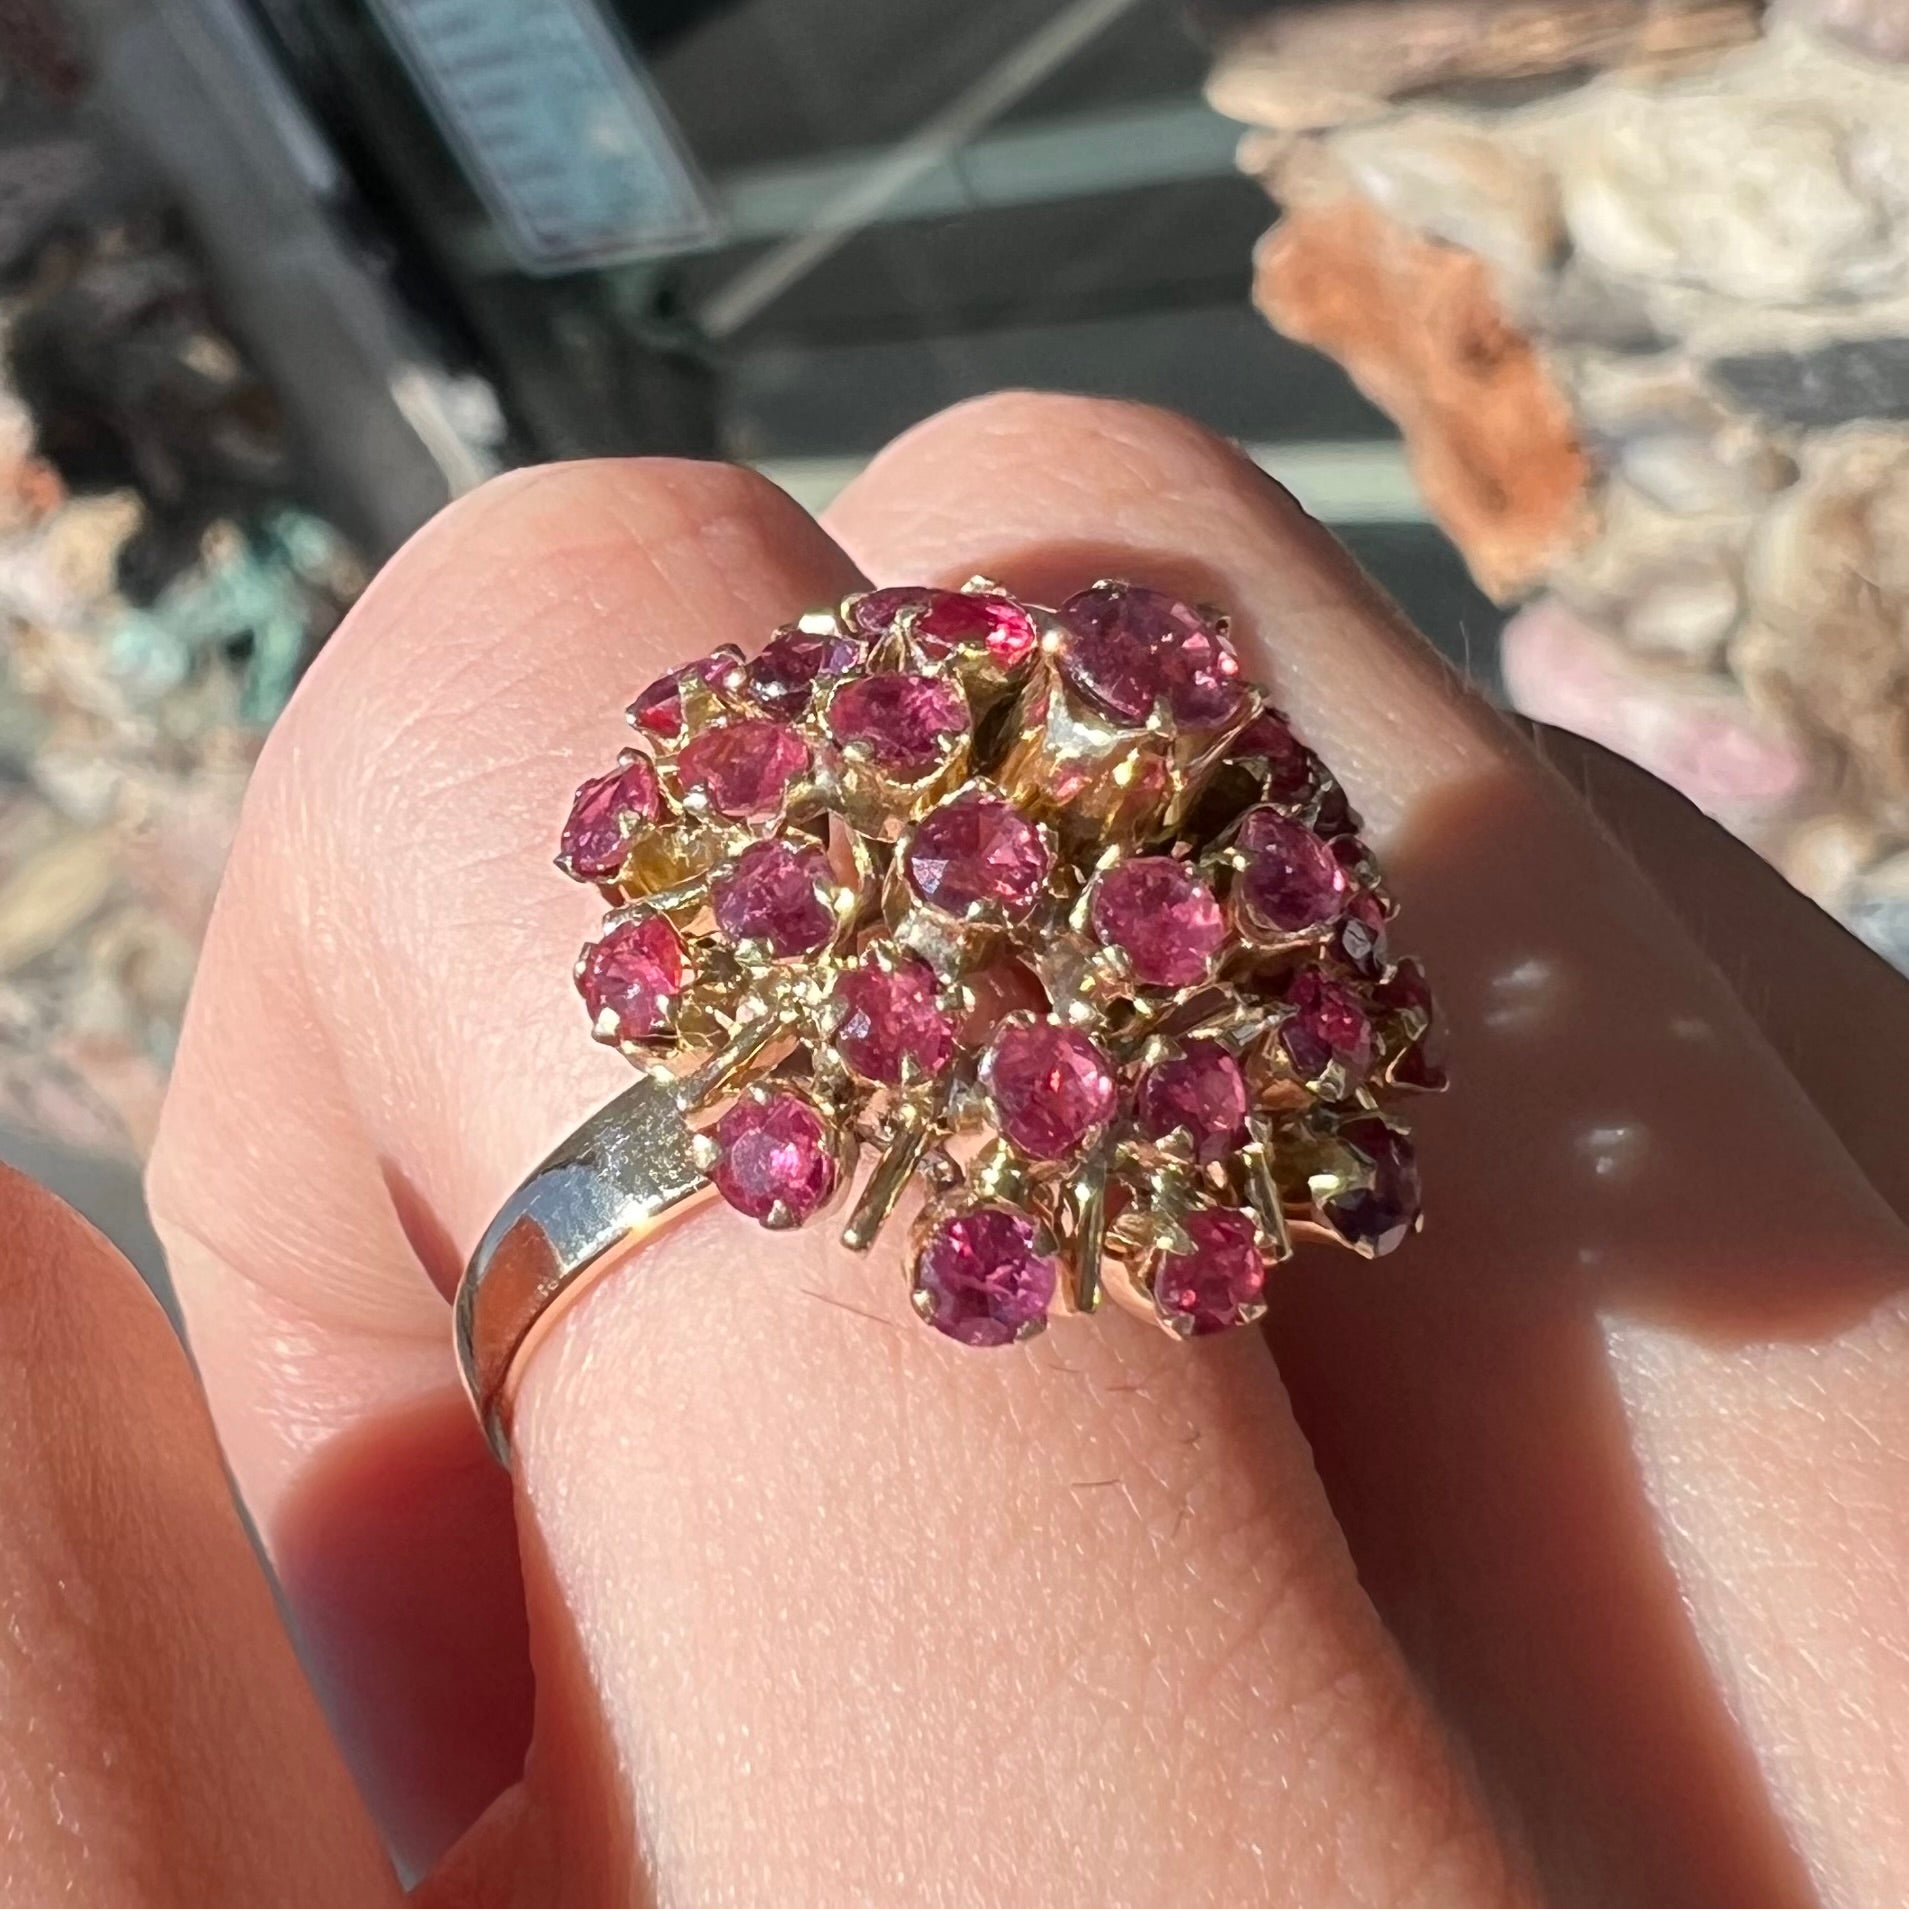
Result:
x=1052 y=1088
x=777 y=1159
x=1289 y=768
x=982 y=1279
x=744 y=768
x=1221 y=1283
x=977 y=849
x=784 y=674
x=1378 y=1213
x=907 y=724
x=950 y=620
x=1199 y=1092
x=596 y=838
x=1160 y=914
x=1129 y=651
x=631 y=976
x=889 y=1026
x=658 y=711
x=1292 y=881
x=777 y=894
x=1327 y=1024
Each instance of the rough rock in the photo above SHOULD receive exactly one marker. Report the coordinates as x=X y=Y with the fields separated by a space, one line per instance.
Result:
x=1421 y=329
x=1877 y=28
x=1760 y=199
x=1304 y=67
x=1450 y=181
x=1697 y=733
x=1828 y=579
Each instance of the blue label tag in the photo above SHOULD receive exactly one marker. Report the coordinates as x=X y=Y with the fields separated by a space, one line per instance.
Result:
x=557 y=126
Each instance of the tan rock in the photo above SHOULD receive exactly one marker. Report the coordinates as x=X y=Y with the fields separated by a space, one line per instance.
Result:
x=1449 y=180
x=1421 y=330
x=1756 y=198
x=1303 y=67
x=1829 y=587
x=1878 y=28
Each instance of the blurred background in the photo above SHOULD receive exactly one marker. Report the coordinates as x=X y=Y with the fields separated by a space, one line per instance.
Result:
x=1584 y=322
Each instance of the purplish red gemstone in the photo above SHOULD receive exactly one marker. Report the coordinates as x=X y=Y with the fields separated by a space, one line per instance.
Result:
x=783 y=675
x=981 y=1277
x=1051 y=1087
x=1288 y=765
x=907 y=724
x=949 y=620
x=777 y=1160
x=1378 y=1214
x=1328 y=1023
x=1221 y=1283
x=658 y=711
x=595 y=841
x=1200 y=1092
x=977 y=848
x=775 y=893
x=890 y=1026
x=744 y=768
x=1421 y=1061
x=1162 y=916
x=1128 y=650
x=632 y=975
x=1292 y=881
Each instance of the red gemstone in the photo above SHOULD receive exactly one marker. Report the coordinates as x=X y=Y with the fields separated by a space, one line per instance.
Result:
x=1200 y=1092
x=907 y=724
x=1421 y=1061
x=784 y=674
x=1290 y=767
x=1160 y=914
x=744 y=768
x=658 y=711
x=1379 y=1214
x=770 y=894
x=594 y=842
x=949 y=620
x=1328 y=1023
x=1127 y=650
x=1051 y=1087
x=977 y=848
x=981 y=1277
x=1292 y=880
x=1221 y=1283
x=776 y=1154
x=634 y=973
x=889 y=1025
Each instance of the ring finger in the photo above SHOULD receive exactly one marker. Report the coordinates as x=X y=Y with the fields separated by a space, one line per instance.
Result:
x=823 y=1609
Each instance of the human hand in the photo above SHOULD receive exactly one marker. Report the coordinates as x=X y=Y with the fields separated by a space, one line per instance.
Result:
x=1560 y=1558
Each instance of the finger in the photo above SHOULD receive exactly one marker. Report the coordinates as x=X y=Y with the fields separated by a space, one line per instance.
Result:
x=1835 y=1012
x=380 y=1044
x=1643 y=1243
x=157 y=1742
x=822 y=1609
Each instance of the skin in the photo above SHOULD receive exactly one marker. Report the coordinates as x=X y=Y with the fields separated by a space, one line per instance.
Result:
x=1558 y=1560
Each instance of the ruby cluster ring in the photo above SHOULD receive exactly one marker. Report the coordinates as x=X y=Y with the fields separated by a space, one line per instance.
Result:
x=1040 y=920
